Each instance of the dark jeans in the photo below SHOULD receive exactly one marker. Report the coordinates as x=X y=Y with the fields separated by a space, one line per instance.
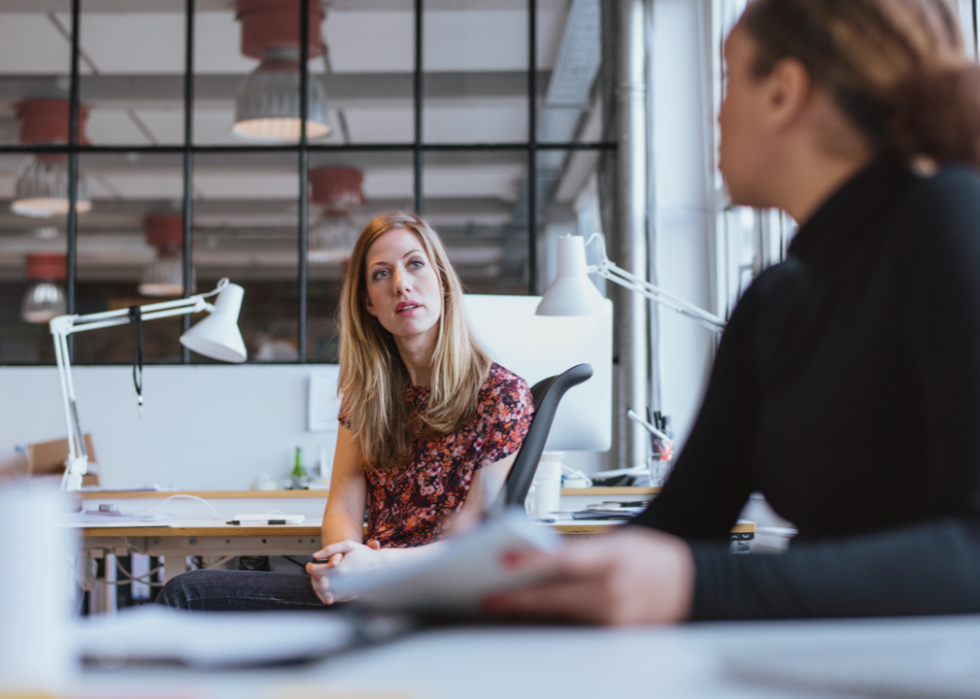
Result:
x=239 y=591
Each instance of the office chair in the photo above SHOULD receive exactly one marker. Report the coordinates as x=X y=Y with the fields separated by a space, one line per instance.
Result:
x=546 y=393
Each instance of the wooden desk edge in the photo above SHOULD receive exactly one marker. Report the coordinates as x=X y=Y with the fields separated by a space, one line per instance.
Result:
x=301 y=530
x=206 y=494
x=245 y=494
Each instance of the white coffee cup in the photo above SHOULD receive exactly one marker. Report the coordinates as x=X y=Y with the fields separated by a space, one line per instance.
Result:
x=36 y=647
x=547 y=485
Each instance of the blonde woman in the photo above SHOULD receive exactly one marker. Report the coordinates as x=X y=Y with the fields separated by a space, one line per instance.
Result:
x=429 y=425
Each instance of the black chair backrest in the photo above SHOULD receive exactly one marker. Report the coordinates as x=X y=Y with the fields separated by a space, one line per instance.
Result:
x=547 y=393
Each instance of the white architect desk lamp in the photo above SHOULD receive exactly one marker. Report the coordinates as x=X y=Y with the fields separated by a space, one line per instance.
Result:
x=573 y=294
x=216 y=336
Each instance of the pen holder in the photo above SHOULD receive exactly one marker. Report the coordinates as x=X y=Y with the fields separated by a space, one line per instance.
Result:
x=36 y=650
x=659 y=469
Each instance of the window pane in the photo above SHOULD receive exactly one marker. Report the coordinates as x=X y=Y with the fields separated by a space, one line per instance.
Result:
x=132 y=68
x=32 y=282
x=130 y=253
x=368 y=71
x=475 y=62
x=569 y=56
x=34 y=69
x=476 y=200
x=246 y=220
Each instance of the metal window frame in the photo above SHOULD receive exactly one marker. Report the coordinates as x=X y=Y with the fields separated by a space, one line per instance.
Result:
x=417 y=147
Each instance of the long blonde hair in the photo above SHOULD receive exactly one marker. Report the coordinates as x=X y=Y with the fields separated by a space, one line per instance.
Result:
x=373 y=378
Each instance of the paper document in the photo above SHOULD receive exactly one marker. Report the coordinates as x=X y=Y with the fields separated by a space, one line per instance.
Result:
x=459 y=577
x=153 y=633
x=247 y=519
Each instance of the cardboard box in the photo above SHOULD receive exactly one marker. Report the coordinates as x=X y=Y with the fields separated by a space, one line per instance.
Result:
x=48 y=459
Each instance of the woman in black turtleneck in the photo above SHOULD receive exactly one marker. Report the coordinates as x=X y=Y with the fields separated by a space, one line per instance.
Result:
x=846 y=387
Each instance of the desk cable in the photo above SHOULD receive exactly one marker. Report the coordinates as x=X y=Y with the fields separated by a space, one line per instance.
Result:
x=181 y=496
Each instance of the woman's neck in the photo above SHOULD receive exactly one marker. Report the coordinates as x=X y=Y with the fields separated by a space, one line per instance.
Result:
x=417 y=353
x=816 y=180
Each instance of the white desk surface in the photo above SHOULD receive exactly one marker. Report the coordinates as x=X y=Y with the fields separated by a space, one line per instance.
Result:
x=685 y=662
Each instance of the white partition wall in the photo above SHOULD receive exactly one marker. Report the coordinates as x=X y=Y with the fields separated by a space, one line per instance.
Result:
x=536 y=347
x=212 y=427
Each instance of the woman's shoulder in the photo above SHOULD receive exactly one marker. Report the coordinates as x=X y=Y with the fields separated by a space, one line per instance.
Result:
x=503 y=385
x=951 y=193
x=501 y=376
x=938 y=219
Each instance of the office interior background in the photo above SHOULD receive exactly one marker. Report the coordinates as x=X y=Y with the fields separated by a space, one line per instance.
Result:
x=505 y=123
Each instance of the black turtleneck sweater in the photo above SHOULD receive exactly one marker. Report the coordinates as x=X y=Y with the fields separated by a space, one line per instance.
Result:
x=846 y=389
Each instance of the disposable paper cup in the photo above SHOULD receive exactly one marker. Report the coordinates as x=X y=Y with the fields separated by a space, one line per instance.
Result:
x=36 y=648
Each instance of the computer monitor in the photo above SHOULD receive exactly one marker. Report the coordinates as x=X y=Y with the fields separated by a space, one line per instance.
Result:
x=536 y=347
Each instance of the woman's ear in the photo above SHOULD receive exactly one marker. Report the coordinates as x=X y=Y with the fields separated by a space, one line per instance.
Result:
x=369 y=307
x=788 y=92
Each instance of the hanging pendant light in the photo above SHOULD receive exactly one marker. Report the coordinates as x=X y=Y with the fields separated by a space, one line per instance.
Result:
x=165 y=275
x=41 y=188
x=44 y=299
x=267 y=109
x=338 y=189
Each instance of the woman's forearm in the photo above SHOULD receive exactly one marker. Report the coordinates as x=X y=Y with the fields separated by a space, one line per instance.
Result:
x=340 y=527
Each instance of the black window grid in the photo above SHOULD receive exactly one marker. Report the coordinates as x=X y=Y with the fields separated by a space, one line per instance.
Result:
x=303 y=148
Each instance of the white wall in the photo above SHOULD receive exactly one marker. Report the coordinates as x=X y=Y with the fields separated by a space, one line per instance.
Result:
x=209 y=427
x=682 y=212
x=216 y=427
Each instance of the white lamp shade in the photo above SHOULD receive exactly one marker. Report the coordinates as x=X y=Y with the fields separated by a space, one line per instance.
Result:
x=41 y=189
x=43 y=301
x=217 y=336
x=572 y=293
x=267 y=109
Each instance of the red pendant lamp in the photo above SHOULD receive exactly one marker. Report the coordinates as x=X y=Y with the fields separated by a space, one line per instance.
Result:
x=339 y=190
x=267 y=109
x=41 y=190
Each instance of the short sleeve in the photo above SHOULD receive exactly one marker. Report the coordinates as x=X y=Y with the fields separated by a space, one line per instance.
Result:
x=508 y=420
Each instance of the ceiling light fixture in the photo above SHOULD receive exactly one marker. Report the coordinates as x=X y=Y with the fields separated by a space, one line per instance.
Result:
x=41 y=189
x=44 y=299
x=338 y=189
x=165 y=275
x=267 y=109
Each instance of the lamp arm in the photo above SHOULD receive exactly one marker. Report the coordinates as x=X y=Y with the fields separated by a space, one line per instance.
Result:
x=63 y=326
x=618 y=275
x=607 y=269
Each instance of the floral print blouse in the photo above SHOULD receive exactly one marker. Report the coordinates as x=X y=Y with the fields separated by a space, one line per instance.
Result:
x=410 y=506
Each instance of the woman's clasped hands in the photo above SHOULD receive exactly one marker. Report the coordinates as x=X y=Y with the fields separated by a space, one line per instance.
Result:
x=343 y=557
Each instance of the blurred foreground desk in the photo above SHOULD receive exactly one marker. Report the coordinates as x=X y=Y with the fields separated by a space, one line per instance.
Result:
x=808 y=660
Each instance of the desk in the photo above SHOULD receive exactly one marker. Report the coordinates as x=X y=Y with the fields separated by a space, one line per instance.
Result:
x=192 y=534
x=686 y=662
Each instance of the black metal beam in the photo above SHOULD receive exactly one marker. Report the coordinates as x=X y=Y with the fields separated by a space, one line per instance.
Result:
x=312 y=147
x=532 y=151
x=71 y=254
x=188 y=151
x=304 y=171
x=417 y=108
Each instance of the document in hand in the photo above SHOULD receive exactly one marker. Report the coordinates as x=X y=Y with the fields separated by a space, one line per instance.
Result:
x=459 y=577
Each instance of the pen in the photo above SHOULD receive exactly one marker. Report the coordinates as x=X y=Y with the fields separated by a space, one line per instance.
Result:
x=237 y=522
